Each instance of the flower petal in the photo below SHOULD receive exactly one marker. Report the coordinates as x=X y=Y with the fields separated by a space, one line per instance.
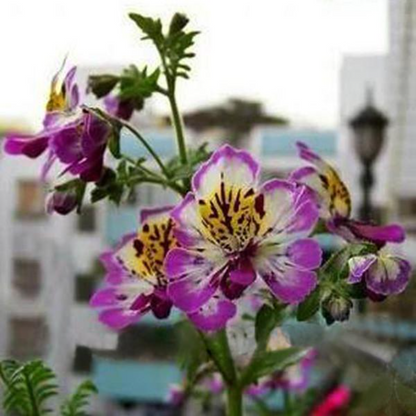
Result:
x=333 y=193
x=243 y=273
x=388 y=275
x=289 y=211
x=30 y=146
x=119 y=318
x=214 y=315
x=392 y=233
x=236 y=168
x=289 y=284
x=193 y=279
x=358 y=265
x=305 y=253
x=155 y=214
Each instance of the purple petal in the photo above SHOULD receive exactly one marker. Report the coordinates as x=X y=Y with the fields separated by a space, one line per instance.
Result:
x=104 y=297
x=392 y=233
x=305 y=253
x=214 y=315
x=66 y=144
x=244 y=273
x=193 y=279
x=161 y=305
x=234 y=167
x=289 y=210
x=388 y=275
x=306 y=153
x=290 y=285
x=30 y=146
x=358 y=266
x=95 y=136
x=119 y=318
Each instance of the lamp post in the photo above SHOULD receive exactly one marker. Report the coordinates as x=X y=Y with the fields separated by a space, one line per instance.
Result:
x=368 y=127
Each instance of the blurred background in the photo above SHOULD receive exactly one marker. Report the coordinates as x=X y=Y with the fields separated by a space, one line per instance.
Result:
x=266 y=75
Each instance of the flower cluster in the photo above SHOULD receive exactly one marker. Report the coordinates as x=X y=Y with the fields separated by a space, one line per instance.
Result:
x=71 y=135
x=230 y=234
x=381 y=273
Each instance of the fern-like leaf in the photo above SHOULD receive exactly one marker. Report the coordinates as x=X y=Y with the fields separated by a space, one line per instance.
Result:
x=27 y=387
x=75 y=405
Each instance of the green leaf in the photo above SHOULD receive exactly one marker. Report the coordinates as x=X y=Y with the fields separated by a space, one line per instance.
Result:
x=266 y=320
x=102 y=85
x=76 y=404
x=114 y=145
x=269 y=362
x=152 y=28
x=27 y=387
x=309 y=306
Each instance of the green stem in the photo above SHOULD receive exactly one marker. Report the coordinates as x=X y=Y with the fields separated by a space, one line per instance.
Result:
x=147 y=146
x=176 y=116
x=178 y=125
x=234 y=401
x=161 y=181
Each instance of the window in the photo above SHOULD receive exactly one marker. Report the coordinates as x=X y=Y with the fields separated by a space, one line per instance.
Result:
x=82 y=360
x=87 y=219
x=27 y=278
x=84 y=287
x=30 y=199
x=28 y=338
x=407 y=207
x=148 y=342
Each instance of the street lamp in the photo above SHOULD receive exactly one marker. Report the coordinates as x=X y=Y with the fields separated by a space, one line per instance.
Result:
x=368 y=127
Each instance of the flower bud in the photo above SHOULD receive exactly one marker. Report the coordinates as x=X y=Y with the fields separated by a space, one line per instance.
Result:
x=335 y=309
x=178 y=22
x=62 y=202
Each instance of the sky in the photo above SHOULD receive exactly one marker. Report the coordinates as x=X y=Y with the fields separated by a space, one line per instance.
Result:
x=285 y=53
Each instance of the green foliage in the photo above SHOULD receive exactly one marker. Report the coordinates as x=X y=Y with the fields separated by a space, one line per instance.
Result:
x=309 y=306
x=29 y=387
x=218 y=349
x=138 y=84
x=268 y=362
x=76 y=404
x=178 y=171
x=173 y=46
x=333 y=290
x=267 y=318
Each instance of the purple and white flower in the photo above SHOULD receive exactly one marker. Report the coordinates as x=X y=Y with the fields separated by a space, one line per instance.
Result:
x=75 y=137
x=334 y=202
x=232 y=231
x=383 y=274
x=135 y=282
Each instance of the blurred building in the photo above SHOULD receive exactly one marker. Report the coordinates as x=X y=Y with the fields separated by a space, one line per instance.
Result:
x=391 y=80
